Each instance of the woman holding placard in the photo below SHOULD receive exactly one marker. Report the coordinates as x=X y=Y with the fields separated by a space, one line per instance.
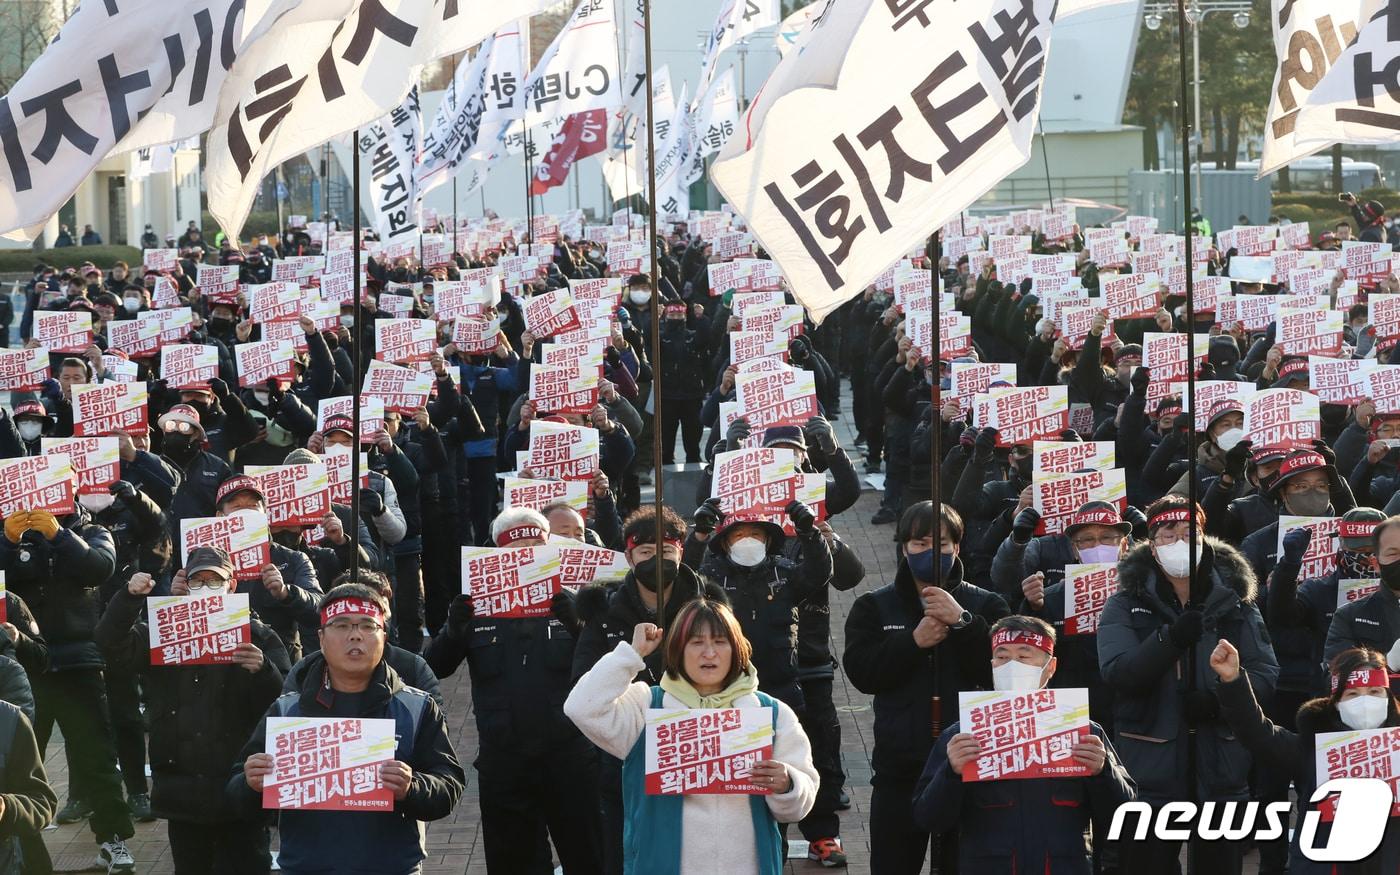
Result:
x=674 y=811
x=1360 y=701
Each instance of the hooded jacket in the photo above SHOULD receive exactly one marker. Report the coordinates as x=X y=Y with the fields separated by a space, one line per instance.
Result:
x=200 y=715
x=1149 y=674
x=58 y=579
x=610 y=613
x=882 y=659
x=360 y=843
x=1295 y=754
x=765 y=599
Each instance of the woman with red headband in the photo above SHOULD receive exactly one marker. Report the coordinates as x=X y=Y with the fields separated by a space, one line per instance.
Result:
x=1360 y=699
x=708 y=666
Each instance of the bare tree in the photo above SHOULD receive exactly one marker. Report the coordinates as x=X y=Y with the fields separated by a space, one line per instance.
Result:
x=26 y=27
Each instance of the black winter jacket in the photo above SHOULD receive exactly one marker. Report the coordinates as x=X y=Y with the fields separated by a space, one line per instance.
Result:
x=883 y=660
x=59 y=580
x=200 y=715
x=1150 y=678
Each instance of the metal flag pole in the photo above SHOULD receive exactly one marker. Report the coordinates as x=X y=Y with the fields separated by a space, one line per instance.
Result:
x=656 y=449
x=355 y=339
x=529 y=182
x=1045 y=157
x=935 y=250
x=1194 y=535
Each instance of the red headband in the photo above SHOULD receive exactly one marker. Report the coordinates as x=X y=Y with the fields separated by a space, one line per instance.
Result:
x=1362 y=529
x=1175 y=515
x=1362 y=677
x=634 y=540
x=1021 y=636
x=1169 y=411
x=1302 y=461
x=520 y=533
x=350 y=607
x=1102 y=517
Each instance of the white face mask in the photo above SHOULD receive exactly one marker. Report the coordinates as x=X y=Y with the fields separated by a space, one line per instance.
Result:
x=1015 y=675
x=261 y=396
x=1174 y=558
x=639 y=297
x=1364 y=712
x=1099 y=553
x=30 y=430
x=347 y=321
x=131 y=304
x=748 y=552
x=1227 y=440
x=97 y=503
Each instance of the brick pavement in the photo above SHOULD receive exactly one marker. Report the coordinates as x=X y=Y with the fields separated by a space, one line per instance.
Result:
x=454 y=844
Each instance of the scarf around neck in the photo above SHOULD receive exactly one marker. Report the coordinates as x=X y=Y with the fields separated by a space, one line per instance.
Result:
x=743 y=685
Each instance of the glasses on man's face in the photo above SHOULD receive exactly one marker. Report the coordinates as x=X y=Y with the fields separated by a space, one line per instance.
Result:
x=1088 y=541
x=345 y=627
x=1295 y=488
x=174 y=425
x=211 y=585
x=1166 y=538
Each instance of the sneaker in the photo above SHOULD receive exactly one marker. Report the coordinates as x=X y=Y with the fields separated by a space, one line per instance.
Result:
x=860 y=440
x=75 y=811
x=114 y=855
x=139 y=804
x=872 y=467
x=882 y=516
x=828 y=852
x=843 y=802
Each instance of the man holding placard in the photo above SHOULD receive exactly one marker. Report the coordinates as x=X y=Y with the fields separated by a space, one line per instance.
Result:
x=363 y=807
x=218 y=704
x=1028 y=793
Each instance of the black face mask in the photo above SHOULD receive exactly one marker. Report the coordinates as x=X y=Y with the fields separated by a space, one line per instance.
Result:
x=179 y=446
x=1390 y=575
x=1023 y=468
x=202 y=407
x=220 y=325
x=645 y=572
x=289 y=538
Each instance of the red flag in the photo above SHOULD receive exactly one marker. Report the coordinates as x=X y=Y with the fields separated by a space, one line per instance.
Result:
x=582 y=135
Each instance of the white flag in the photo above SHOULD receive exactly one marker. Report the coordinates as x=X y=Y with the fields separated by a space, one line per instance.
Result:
x=877 y=133
x=737 y=19
x=792 y=33
x=718 y=115
x=457 y=123
x=118 y=77
x=1309 y=36
x=579 y=70
x=1353 y=103
x=672 y=195
x=390 y=146
x=624 y=169
x=312 y=79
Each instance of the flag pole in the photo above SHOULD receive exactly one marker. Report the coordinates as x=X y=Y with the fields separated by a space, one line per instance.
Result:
x=935 y=250
x=1194 y=535
x=529 y=182
x=354 y=533
x=656 y=450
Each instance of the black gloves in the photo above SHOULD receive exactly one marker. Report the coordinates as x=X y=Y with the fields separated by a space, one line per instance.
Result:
x=1186 y=629
x=708 y=517
x=371 y=502
x=982 y=448
x=1236 y=460
x=802 y=518
x=218 y=387
x=1138 y=519
x=1326 y=452
x=562 y=606
x=738 y=432
x=1141 y=377
x=124 y=490
x=459 y=616
x=1023 y=527
x=1295 y=544
x=819 y=434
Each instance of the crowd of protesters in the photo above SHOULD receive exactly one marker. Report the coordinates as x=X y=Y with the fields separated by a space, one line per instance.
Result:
x=1209 y=675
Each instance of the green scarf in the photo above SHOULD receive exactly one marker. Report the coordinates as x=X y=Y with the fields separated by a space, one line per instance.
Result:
x=743 y=685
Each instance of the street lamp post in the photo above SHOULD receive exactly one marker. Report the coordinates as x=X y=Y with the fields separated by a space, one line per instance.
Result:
x=1196 y=11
